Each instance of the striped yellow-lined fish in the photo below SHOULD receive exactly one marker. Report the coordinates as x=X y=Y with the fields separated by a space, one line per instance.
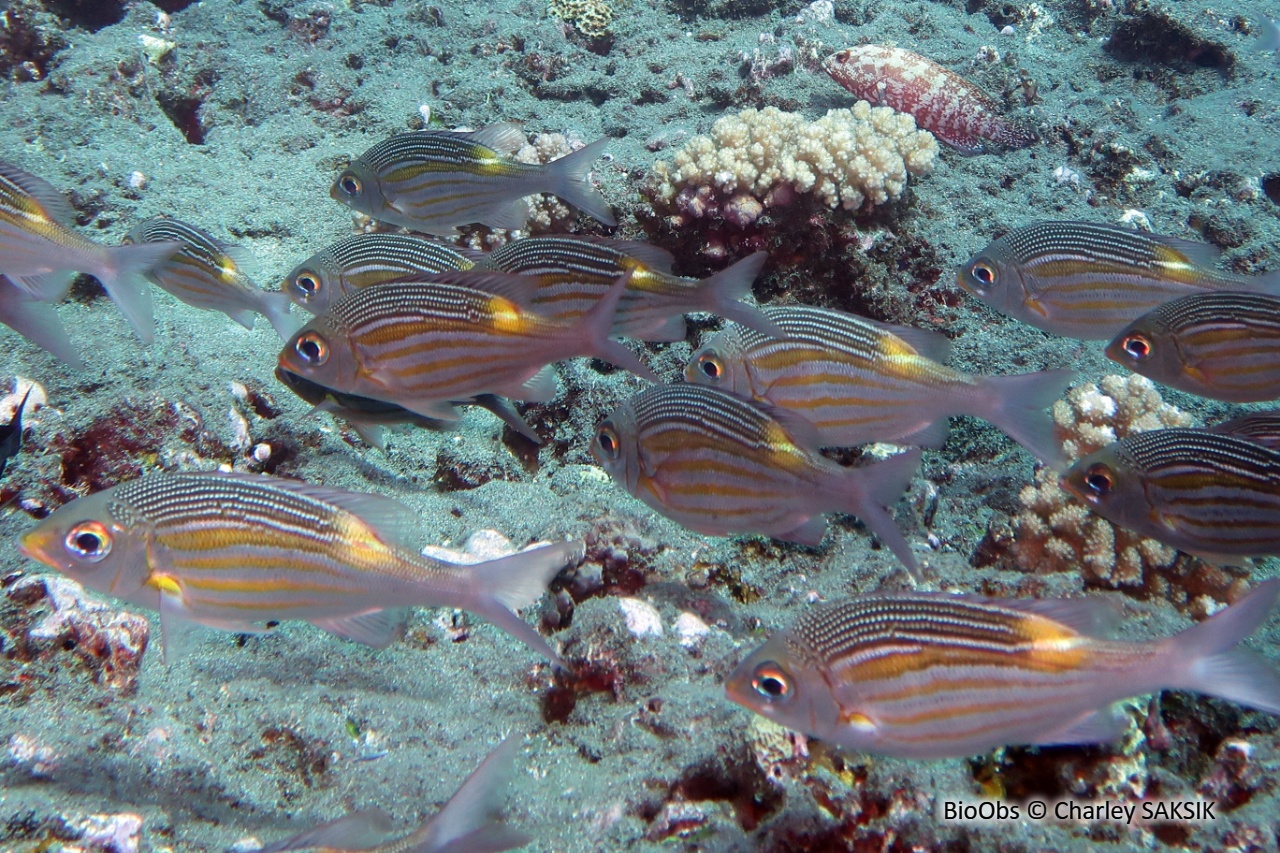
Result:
x=36 y=321
x=468 y=823
x=362 y=260
x=1088 y=281
x=1211 y=494
x=232 y=550
x=41 y=254
x=573 y=272
x=720 y=464
x=858 y=381
x=369 y=417
x=1224 y=346
x=207 y=273
x=1261 y=427
x=433 y=180
x=423 y=344
x=933 y=675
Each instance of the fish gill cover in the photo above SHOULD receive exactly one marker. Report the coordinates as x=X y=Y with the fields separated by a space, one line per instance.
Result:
x=726 y=137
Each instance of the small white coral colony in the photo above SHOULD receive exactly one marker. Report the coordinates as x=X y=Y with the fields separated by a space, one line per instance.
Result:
x=1055 y=532
x=847 y=158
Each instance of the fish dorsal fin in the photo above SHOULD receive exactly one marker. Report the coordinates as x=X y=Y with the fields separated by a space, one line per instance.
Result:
x=503 y=137
x=930 y=344
x=476 y=804
x=1198 y=253
x=55 y=204
x=520 y=289
x=357 y=831
x=394 y=522
x=1092 y=616
x=656 y=259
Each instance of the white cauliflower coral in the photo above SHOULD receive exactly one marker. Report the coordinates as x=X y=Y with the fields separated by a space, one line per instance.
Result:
x=848 y=158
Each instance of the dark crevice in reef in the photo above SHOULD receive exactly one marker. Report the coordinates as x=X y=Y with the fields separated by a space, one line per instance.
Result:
x=185 y=115
x=1156 y=38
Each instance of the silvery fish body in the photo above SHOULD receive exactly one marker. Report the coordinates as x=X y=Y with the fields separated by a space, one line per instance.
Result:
x=1224 y=346
x=369 y=417
x=723 y=465
x=206 y=273
x=574 y=272
x=468 y=823
x=424 y=344
x=1211 y=494
x=363 y=260
x=434 y=181
x=41 y=254
x=36 y=321
x=859 y=381
x=232 y=550
x=1088 y=281
x=933 y=675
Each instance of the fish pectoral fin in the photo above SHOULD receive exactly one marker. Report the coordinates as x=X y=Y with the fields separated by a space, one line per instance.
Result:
x=376 y=628
x=1035 y=305
x=1159 y=519
x=1194 y=373
x=858 y=721
x=1105 y=726
x=177 y=628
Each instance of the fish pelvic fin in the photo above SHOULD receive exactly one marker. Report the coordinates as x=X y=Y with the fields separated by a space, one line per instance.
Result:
x=869 y=491
x=1017 y=404
x=123 y=274
x=356 y=831
x=500 y=587
x=567 y=178
x=37 y=322
x=469 y=821
x=726 y=292
x=275 y=307
x=1206 y=657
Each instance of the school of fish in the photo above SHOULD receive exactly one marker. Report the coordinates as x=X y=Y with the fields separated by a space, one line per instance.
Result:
x=399 y=329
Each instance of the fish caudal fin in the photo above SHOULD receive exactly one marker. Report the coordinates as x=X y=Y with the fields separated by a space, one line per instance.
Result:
x=1017 y=404
x=275 y=307
x=37 y=322
x=1208 y=659
x=867 y=492
x=123 y=274
x=470 y=820
x=500 y=587
x=567 y=178
x=725 y=291
x=596 y=326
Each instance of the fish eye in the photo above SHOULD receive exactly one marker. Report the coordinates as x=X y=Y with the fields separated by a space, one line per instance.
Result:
x=709 y=365
x=983 y=273
x=607 y=441
x=349 y=184
x=1100 y=480
x=312 y=349
x=1137 y=346
x=307 y=283
x=89 y=540
x=770 y=681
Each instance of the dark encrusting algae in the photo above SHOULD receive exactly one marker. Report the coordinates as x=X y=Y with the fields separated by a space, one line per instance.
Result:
x=1138 y=119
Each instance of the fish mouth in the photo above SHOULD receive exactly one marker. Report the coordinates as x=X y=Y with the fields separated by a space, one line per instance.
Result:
x=1071 y=488
x=32 y=546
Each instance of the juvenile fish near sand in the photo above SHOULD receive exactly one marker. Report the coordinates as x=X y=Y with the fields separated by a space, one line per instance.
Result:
x=954 y=110
x=1211 y=494
x=1088 y=281
x=423 y=344
x=369 y=417
x=468 y=823
x=433 y=181
x=363 y=260
x=573 y=273
x=232 y=550
x=1224 y=346
x=933 y=675
x=859 y=381
x=722 y=465
x=40 y=252
x=208 y=274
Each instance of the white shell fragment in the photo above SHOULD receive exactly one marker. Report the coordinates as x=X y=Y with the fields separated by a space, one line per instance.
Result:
x=642 y=617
